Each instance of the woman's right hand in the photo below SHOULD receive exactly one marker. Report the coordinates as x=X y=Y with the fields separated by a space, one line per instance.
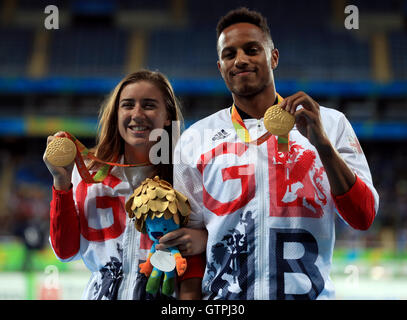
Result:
x=62 y=175
x=188 y=240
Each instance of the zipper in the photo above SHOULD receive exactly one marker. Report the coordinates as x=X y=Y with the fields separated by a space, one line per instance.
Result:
x=128 y=256
x=132 y=262
x=261 y=224
x=125 y=265
x=130 y=237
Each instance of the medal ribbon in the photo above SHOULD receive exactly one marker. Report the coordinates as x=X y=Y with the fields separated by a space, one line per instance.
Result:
x=244 y=134
x=83 y=153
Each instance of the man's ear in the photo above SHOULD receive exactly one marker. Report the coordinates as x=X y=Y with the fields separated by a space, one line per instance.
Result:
x=274 y=58
x=220 y=70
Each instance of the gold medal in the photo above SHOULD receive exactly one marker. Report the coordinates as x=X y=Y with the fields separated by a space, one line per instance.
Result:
x=60 y=152
x=277 y=121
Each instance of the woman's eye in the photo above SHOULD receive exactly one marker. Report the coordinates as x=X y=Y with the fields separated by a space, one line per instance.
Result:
x=149 y=106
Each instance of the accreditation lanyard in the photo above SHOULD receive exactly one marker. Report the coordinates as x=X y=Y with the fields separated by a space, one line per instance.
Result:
x=244 y=134
x=83 y=153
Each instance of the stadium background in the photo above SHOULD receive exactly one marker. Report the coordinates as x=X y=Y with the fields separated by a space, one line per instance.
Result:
x=54 y=80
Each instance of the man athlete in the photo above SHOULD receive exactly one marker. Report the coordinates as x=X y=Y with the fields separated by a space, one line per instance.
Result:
x=269 y=213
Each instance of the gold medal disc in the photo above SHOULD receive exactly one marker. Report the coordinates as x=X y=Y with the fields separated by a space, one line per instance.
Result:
x=278 y=121
x=60 y=152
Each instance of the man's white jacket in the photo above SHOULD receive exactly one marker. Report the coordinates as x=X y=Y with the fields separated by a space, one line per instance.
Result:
x=270 y=215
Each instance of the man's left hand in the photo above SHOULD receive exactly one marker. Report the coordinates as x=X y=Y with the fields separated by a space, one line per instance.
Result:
x=308 y=118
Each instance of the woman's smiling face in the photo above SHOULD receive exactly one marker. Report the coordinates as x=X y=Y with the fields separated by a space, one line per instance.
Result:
x=141 y=109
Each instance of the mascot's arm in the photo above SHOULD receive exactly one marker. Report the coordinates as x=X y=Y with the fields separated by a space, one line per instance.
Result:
x=180 y=262
x=147 y=267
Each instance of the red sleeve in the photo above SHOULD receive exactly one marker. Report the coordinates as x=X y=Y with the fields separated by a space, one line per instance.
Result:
x=195 y=267
x=64 y=224
x=357 y=205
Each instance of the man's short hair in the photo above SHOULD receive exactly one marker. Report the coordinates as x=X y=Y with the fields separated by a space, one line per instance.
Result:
x=243 y=14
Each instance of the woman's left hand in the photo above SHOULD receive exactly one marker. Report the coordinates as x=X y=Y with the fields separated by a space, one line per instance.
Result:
x=189 y=241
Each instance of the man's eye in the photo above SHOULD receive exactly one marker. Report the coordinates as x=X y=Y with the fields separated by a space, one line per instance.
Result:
x=228 y=55
x=253 y=50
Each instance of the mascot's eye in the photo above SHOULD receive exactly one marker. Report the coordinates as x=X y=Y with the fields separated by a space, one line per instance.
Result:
x=165 y=229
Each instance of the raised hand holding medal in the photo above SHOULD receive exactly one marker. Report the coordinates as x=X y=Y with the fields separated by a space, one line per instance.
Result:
x=59 y=158
x=63 y=149
x=279 y=122
x=60 y=152
x=307 y=119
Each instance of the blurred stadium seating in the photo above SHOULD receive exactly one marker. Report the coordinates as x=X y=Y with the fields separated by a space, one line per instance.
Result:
x=14 y=54
x=81 y=52
x=54 y=80
x=398 y=48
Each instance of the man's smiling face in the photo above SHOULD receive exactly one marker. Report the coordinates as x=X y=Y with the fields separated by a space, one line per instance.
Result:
x=246 y=59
